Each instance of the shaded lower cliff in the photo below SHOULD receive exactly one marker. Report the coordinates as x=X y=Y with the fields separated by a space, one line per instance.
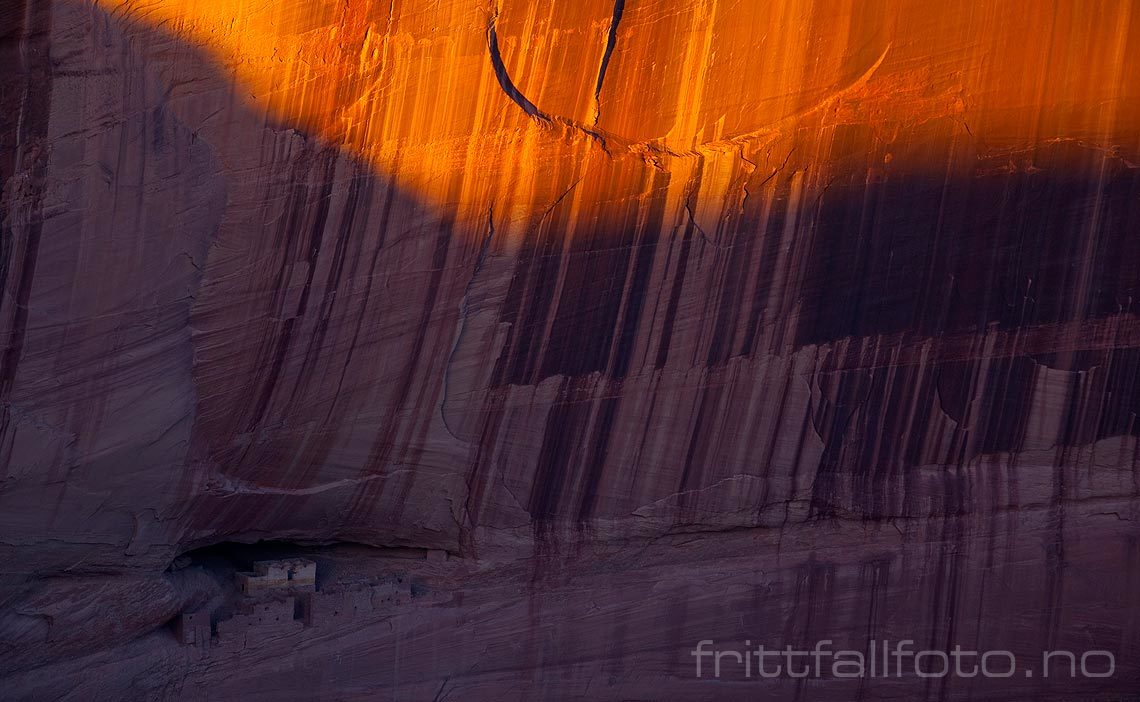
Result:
x=863 y=372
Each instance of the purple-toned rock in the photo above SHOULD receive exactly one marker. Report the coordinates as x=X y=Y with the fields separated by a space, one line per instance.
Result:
x=768 y=328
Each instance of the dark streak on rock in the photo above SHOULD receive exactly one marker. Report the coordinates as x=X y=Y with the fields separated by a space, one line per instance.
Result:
x=504 y=77
x=25 y=95
x=611 y=42
x=674 y=298
x=345 y=232
x=564 y=426
x=596 y=461
x=366 y=500
x=379 y=246
x=311 y=253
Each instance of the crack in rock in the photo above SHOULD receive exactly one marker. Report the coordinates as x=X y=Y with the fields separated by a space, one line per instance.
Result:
x=611 y=43
x=504 y=76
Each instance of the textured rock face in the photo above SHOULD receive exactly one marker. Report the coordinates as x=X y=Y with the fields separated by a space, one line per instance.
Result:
x=844 y=295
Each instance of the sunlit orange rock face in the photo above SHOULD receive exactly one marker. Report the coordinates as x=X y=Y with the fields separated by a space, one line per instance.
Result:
x=687 y=319
x=474 y=104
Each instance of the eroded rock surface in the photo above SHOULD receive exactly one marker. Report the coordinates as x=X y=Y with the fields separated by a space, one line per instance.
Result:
x=668 y=321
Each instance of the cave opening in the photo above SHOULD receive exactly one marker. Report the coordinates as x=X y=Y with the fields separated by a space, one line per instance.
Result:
x=225 y=559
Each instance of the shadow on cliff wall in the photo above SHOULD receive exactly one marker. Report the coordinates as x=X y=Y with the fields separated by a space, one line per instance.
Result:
x=196 y=300
x=306 y=312
x=171 y=264
x=946 y=311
